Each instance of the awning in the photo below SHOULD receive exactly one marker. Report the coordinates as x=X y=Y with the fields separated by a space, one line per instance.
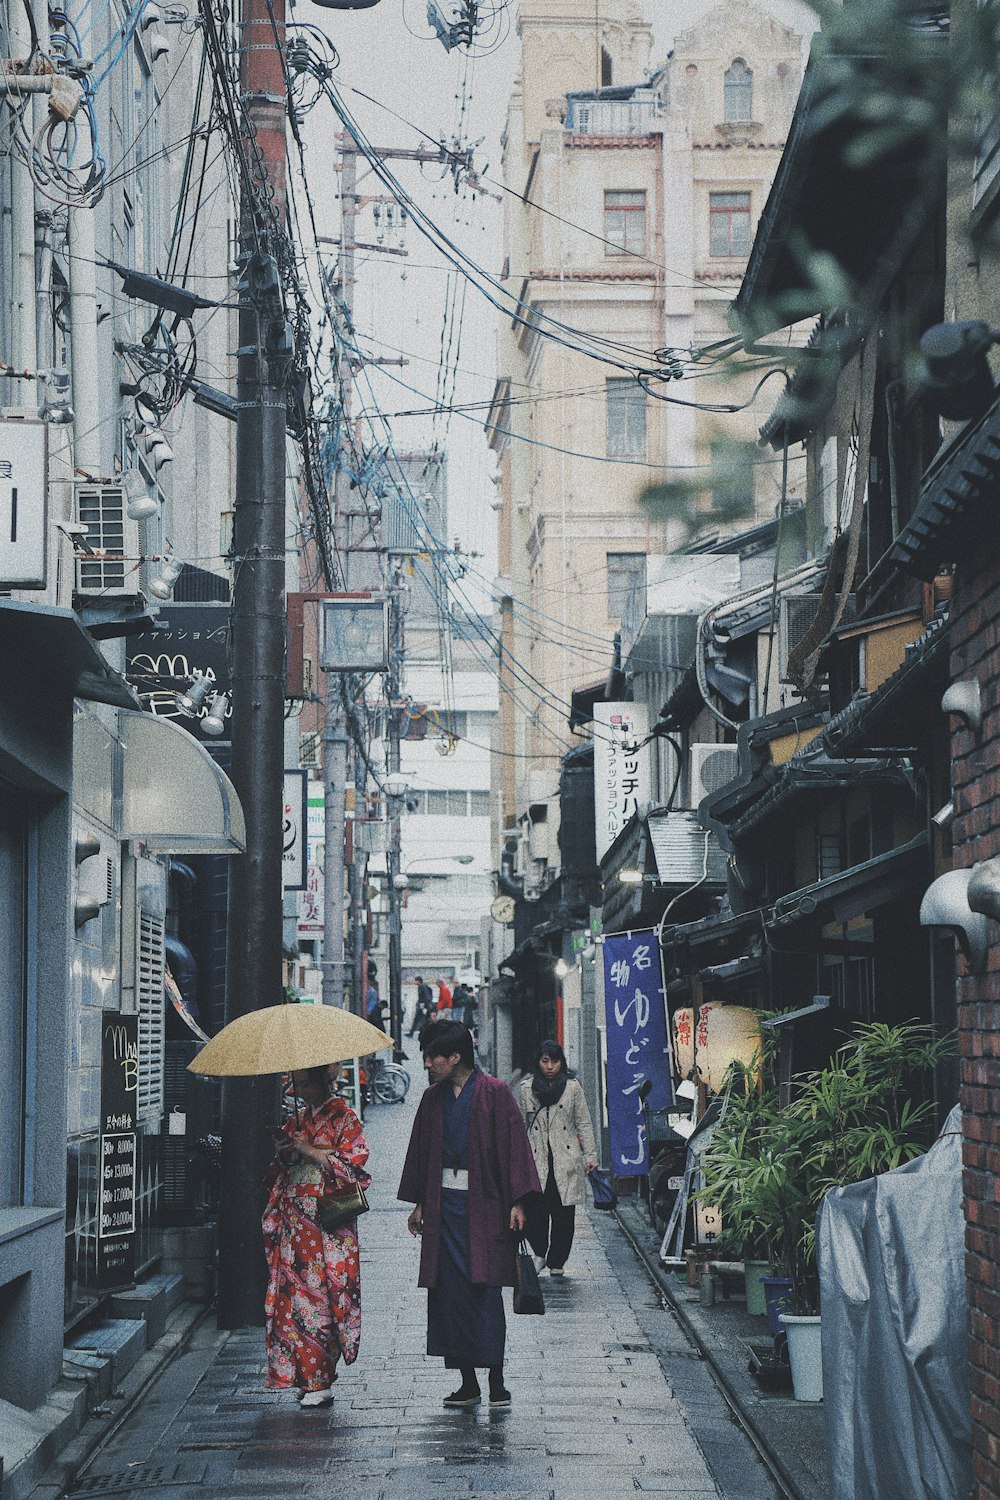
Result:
x=895 y=715
x=811 y=774
x=68 y=661
x=684 y=853
x=862 y=888
x=175 y=799
x=958 y=499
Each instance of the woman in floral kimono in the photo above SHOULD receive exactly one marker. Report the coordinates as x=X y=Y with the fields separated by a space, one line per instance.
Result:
x=313 y=1303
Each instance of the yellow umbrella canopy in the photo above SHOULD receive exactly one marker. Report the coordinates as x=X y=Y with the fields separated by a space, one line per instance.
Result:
x=282 y=1038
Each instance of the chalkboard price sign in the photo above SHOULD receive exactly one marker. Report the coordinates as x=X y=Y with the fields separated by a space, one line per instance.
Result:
x=119 y=1105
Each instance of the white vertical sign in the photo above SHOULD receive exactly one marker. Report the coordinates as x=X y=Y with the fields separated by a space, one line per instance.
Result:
x=23 y=507
x=622 y=768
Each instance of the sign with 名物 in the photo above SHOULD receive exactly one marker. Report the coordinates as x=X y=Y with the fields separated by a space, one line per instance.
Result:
x=622 y=784
x=637 y=1049
x=119 y=1110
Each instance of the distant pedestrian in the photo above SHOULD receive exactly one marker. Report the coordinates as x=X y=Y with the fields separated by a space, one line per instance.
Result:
x=424 y=1007
x=443 y=1010
x=562 y=1142
x=470 y=1009
x=470 y=1173
x=313 y=1303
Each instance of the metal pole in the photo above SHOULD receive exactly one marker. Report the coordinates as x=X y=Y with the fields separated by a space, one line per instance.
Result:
x=393 y=857
x=258 y=624
x=335 y=718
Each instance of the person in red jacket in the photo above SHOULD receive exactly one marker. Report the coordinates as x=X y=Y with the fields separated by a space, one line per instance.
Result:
x=443 y=1011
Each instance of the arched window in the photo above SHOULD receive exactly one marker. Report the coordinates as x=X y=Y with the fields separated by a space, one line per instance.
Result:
x=738 y=91
x=606 y=68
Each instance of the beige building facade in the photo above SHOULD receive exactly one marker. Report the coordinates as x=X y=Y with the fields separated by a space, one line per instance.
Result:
x=634 y=192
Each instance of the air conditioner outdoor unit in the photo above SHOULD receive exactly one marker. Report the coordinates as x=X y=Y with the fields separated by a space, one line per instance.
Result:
x=111 y=565
x=539 y=841
x=712 y=768
x=796 y=614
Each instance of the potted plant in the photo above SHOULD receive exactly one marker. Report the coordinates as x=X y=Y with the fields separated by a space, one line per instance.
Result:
x=768 y=1167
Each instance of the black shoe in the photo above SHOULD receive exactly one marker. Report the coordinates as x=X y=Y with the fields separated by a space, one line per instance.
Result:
x=499 y=1396
x=463 y=1398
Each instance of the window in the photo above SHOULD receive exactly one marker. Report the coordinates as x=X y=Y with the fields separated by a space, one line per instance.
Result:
x=729 y=223
x=737 y=92
x=732 y=478
x=458 y=804
x=626 y=419
x=480 y=804
x=437 y=802
x=626 y=580
x=607 y=71
x=625 y=222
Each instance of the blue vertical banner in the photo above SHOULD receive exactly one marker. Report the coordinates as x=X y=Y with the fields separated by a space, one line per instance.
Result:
x=636 y=1029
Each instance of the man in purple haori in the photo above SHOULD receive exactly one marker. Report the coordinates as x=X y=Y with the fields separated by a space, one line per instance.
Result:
x=468 y=1169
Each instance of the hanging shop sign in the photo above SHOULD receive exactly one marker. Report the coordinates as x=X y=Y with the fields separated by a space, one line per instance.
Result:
x=637 y=1049
x=23 y=503
x=119 y=1107
x=309 y=906
x=355 y=635
x=189 y=641
x=622 y=768
x=294 y=831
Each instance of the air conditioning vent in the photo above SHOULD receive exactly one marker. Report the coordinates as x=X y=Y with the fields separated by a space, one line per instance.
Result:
x=149 y=989
x=111 y=566
x=712 y=768
x=684 y=851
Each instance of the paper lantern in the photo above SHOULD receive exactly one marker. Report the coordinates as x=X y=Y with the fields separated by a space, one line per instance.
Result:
x=725 y=1034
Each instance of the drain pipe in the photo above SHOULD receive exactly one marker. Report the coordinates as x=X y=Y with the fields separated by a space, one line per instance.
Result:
x=24 y=352
x=83 y=327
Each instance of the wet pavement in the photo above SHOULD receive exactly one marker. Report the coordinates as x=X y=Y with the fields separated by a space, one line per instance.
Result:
x=609 y=1395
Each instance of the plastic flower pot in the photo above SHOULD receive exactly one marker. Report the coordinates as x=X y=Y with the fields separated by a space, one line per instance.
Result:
x=805 y=1355
x=753 y=1273
x=777 y=1290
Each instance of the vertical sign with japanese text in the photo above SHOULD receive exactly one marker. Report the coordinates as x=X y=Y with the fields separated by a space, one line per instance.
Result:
x=622 y=776
x=294 y=831
x=637 y=1049
x=119 y=1107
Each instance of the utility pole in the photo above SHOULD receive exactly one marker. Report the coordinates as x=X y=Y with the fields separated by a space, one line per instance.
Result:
x=393 y=863
x=258 y=623
x=335 y=717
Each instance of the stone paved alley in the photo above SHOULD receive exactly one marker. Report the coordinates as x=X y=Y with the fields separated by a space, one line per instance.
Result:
x=609 y=1396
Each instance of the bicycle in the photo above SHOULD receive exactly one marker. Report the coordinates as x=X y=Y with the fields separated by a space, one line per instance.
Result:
x=388 y=1082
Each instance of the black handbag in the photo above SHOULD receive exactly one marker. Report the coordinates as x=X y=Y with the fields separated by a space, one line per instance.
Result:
x=336 y=1209
x=528 y=1297
x=605 y=1197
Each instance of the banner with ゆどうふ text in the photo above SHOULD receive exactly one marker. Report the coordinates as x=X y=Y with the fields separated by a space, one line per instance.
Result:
x=637 y=1048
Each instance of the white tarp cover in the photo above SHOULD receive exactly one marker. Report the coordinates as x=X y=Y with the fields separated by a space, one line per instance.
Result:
x=891 y=1257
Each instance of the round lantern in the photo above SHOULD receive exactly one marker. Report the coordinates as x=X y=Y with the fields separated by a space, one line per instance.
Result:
x=725 y=1034
x=682 y=1026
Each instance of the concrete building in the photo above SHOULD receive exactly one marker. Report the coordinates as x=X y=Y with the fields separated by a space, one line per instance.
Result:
x=635 y=191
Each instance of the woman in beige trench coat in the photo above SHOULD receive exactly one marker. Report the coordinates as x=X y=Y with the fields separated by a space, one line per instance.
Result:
x=562 y=1142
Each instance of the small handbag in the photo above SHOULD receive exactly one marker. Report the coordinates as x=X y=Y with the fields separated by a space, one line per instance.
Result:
x=335 y=1209
x=527 y=1289
x=605 y=1197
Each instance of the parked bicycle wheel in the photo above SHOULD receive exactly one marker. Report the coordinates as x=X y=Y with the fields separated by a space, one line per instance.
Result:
x=386 y=1088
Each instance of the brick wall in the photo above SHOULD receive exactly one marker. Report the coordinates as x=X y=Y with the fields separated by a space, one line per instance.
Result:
x=976 y=834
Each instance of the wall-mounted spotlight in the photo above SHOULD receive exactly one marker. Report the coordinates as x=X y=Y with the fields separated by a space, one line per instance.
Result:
x=194 y=700
x=957 y=375
x=140 y=504
x=162 y=586
x=562 y=968
x=214 y=722
x=159 y=47
x=151 y=16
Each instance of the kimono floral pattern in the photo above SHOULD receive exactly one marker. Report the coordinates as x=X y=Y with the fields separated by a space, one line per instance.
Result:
x=313 y=1303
